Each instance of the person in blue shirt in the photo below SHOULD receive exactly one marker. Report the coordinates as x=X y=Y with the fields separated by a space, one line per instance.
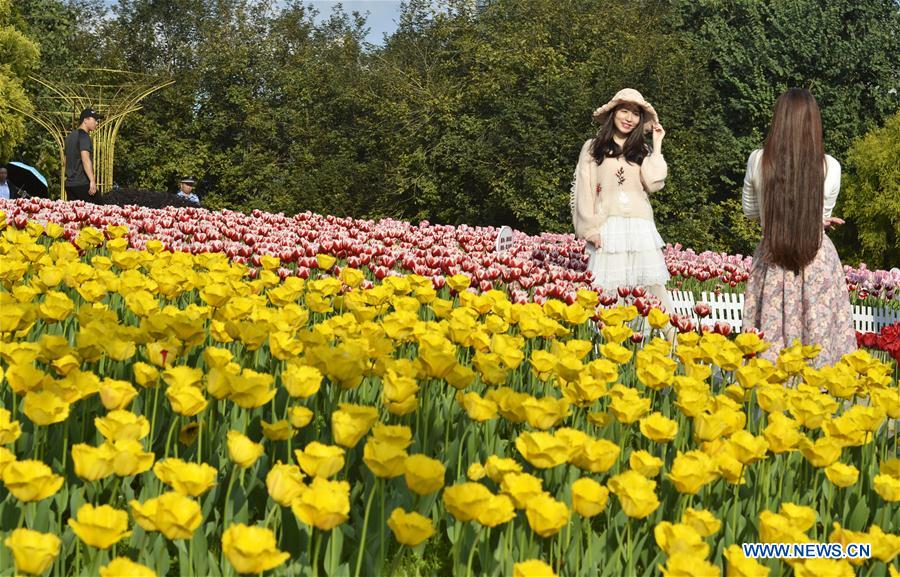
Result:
x=186 y=190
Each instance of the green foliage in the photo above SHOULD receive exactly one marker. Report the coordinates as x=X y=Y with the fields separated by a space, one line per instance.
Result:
x=473 y=113
x=844 y=51
x=870 y=197
x=18 y=55
x=65 y=35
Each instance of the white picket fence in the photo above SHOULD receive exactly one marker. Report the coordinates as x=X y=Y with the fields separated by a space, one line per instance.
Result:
x=728 y=308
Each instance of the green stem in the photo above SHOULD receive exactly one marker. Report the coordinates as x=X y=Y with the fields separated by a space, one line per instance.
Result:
x=169 y=436
x=362 y=540
x=228 y=505
x=472 y=552
x=318 y=545
x=629 y=562
x=381 y=527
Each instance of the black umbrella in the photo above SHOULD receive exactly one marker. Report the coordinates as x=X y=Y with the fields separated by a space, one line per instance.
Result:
x=27 y=178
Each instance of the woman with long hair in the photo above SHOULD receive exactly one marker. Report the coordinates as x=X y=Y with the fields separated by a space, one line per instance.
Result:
x=610 y=206
x=796 y=289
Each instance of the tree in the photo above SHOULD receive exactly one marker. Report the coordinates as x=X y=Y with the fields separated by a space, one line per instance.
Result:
x=845 y=51
x=18 y=56
x=481 y=113
x=63 y=34
x=870 y=198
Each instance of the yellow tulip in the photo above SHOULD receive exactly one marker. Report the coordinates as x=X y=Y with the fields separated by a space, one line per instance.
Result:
x=616 y=353
x=658 y=428
x=299 y=416
x=887 y=487
x=115 y=394
x=497 y=467
x=782 y=433
x=410 y=529
x=589 y=497
x=324 y=504
x=890 y=467
x=318 y=460
x=92 y=463
x=821 y=453
x=496 y=511
x=30 y=480
x=510 y=403
x=173 y=514
x=546 y=412
x=120 y=424
x=824 y=568
x=748 y=449
x=242 y=451
x=252 y=549
x=56 y=306
x=704 y=522
x=33 y=552
x=100 y=527
x=479 y=409
x=636 y=494
x=687 y=565
x=709 y=426
x=121 y=566
x=188 y=478
x=629 y=408
x=657 y=318
x=596 y=456
x=680 y=538
x=645 y=463
x=885 y=546
x=284 y=483
x=740 y=565
x=6 y=457
x=45 y=408
x=351 y=423
x=277 y=431
x=532 y=568
x=691 y=471
x=385 y=460
x=465 y=501
x=424 y=475
x=521 y=487
x=9 y=430
x=129 y=457
x=546 y=516
x=542 y=450
x=842 y=475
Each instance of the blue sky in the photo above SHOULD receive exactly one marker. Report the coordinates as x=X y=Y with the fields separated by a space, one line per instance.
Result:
x=382 y=18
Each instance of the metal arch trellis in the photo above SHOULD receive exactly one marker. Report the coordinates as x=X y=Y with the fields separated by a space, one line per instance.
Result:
x=115 y=95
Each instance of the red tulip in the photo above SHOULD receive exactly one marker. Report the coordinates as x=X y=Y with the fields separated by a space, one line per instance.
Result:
x=702 y=310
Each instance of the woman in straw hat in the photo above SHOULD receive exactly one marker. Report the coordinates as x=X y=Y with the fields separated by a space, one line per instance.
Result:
x=610 y=206
x=796 y=289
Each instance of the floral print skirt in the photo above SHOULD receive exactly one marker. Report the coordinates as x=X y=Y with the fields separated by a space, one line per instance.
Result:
x=812 y=306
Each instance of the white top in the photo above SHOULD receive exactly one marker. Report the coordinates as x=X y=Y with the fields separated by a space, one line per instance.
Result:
x=4 y=190
x=615 y=188
x=753 y=185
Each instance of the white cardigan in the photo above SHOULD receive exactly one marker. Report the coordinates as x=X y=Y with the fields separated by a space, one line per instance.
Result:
x=753 y=185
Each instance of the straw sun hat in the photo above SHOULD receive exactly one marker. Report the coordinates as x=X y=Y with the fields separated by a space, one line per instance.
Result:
x=623 y=96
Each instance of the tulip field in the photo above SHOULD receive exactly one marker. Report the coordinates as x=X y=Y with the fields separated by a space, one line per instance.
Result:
x=210 y=393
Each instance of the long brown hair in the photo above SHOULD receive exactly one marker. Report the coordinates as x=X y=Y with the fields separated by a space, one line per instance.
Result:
x=793 y=179
x=634 y=149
